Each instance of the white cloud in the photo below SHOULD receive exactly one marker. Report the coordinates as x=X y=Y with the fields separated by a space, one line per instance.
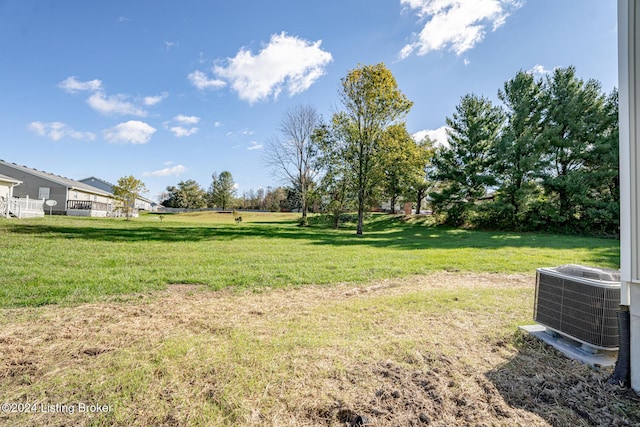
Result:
x=201 y=81
x=539 y=70
x=466 y=61
x=438 y=136
x=236 y=134
x=73 y=85
x=286 y=62
x=187 y=120
x=175 y=170
x=153 y=100
x=59 y=130
x=114 y=104
x=133 y=132
x=182 y=129
x=456 y=25
x=107 y=104
x=255 y=146
x=170 y=45
x=217 y=124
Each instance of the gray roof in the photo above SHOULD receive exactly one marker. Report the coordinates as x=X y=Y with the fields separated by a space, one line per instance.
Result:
x=110 y=185
x=98 y=183
x=9 y=179
x=60 y=180
x=97 y=179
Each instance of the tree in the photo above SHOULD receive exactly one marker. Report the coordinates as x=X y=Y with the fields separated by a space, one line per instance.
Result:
x=294 y=157
x=260 y=198
x=572 y=128
x=126 y=191
x=403 y=163
x=601 y=206
x=222 y=190
x=372 y=102
x=553 y=163
x=187 y=195
x=421 y=180
x=464 y=168
x=518 y=155
x=275 y=198
x=336 y=185
x=250 y=200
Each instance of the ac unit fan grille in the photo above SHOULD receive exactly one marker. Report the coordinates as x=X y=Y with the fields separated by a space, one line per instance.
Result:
x=579 y=310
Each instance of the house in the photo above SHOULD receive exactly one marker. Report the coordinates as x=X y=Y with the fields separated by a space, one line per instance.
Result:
x=6 y=193
x=141 y=204
x=628 y=71
x=6 y=186
x=18 y=207
x=72 y=197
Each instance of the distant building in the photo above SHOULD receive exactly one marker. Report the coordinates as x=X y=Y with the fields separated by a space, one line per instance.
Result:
x=142 y=203
x=72 y=197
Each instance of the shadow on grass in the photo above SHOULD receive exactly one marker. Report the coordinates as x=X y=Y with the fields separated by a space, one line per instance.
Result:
x=562 y=391
x=377 y=234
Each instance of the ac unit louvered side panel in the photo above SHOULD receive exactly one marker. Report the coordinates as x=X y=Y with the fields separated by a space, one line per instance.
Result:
x=580 y=310
x=548 y=304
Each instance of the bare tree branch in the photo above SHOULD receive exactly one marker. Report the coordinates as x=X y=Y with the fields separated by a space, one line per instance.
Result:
x=293 y=158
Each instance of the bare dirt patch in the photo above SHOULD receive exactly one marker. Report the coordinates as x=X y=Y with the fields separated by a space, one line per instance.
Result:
x=412 y=351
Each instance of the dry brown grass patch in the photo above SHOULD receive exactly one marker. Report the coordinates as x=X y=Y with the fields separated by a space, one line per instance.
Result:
x=440 y=349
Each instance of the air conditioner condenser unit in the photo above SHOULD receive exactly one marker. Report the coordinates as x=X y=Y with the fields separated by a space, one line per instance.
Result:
x=579 y=303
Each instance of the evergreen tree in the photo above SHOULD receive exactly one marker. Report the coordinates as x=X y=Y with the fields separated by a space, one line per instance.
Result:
x=188 y=195
x=464 y=169
x=572 y=129
x=518 y=155
x=222 y=190
x=601 y=206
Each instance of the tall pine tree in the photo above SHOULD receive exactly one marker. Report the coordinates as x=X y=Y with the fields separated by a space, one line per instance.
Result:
x=572 y=129
x=518 y=155
x=464 y=169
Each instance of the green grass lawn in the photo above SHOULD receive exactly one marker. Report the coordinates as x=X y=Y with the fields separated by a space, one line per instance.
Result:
x=72 y=260
x=443 y=346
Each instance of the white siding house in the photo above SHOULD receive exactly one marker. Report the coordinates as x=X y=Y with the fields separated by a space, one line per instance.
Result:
x=6 y=193
x=18 y=207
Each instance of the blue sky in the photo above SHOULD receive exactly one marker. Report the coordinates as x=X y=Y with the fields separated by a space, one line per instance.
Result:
x=169 y=91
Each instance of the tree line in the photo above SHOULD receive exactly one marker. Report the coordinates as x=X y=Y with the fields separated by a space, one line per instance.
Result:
x=222 y=194
x=544 y=158
x=362 y=155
